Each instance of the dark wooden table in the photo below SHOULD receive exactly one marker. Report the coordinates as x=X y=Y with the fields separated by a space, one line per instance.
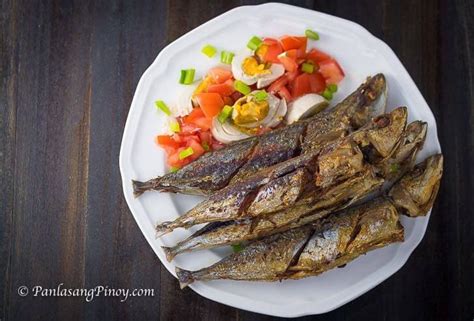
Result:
x=68 y=71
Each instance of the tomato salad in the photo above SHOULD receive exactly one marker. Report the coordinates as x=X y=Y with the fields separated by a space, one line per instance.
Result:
x=271 y=83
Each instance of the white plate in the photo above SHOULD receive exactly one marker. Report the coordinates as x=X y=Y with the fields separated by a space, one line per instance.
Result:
x=360 y=54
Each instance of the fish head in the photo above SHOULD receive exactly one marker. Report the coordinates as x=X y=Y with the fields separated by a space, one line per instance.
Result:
x=415 y=192
x=370 y=100
x=379 y=137
x=404 y=155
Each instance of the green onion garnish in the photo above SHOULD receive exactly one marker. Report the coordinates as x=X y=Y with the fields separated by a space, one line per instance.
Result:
x=187 y=76
x=332 y=87
x=307 y=68
x=327 y=94
x=206 y=147
x=254 y=43
x=261 y=95
x=174 y=126
x=226 y=57
x=160 y=104
x=209 y=50
x=394 y=168
x=185 y=153
x=174 y=169
x=224 y=114
x=311 y=34
x=241 y=87
x=237 y=247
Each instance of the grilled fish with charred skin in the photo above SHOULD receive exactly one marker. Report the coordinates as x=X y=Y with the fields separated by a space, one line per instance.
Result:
x=215 y=170
x=318 y=247
x=343 y=195
x=341 y=161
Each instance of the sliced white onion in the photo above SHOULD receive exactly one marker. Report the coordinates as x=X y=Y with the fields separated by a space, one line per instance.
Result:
x=305 y=106
x=226 y=135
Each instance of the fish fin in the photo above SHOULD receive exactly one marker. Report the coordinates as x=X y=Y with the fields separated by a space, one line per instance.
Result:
x=169 y=253
x=185 y=277
x=140 y=187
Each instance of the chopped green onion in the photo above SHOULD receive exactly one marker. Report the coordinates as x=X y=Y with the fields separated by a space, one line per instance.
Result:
x=160 y=104
x=332 y=87
x=242 y=88
x=174 y=169
x=185 y=153
x=261 y=95
x=307 y=68
x=327 y=94
x=226 y=57
x=209 y=50
x=187 y=76
x=313 y=35
x=174 y=126
x=254 y=43
x=206 y=147
x=224 y=114
x=394 y=168
x=237 y=247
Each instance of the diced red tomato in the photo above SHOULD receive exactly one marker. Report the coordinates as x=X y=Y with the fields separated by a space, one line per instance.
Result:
x=292 y=75
x=204 y=123
x=189 y=128
x=302 y=48
x=198 y=150
x=210 y=103
x=331 y=71
x=220 y=75
x=222 y=89
x=292 y=53
x=228 y=100
x=317 y=82
x=301 y=85
x=196 y=113
x=317 y=56
x=166 y=141
x=174 y=161
x=285 y=93
x=277 y=84
x=274 y=48
x=206 y=137
x=291 y=42
x=288 y=62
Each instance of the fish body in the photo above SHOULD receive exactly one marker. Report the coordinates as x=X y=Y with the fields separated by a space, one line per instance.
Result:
x=338 y=161
x=321 y=245
x=310 y=249
x=215 y=170
x=415 y=193
x=263 y=260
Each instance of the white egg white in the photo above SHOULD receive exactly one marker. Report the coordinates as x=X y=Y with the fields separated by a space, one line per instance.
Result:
x=263 y=80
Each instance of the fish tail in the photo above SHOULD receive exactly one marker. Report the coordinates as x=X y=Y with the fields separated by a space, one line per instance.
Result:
x=163 y=228
x=185 y=277
x=140 y=187
x=169 y=252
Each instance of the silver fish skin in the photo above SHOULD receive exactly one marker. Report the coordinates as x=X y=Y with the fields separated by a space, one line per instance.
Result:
x=216 y=235
x=217 y=169
x=337 y=163
x=263 y=260
x=308 y=250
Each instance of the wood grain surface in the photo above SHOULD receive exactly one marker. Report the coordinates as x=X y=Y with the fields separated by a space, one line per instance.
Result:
x=68 y=71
